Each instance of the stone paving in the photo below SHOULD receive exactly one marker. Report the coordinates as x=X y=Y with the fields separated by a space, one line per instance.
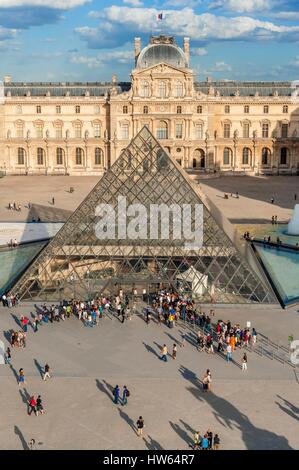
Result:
x=253 y=410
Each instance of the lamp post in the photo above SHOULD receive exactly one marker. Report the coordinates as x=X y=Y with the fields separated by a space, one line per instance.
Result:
x=88 y=284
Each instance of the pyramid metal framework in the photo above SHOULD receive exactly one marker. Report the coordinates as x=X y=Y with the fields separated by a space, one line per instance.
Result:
x=77 y=264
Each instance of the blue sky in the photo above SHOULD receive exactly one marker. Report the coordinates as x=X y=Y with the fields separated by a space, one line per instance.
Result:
x=87 y=40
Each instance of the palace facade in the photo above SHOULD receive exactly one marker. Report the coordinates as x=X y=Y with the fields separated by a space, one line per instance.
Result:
x=81 y=128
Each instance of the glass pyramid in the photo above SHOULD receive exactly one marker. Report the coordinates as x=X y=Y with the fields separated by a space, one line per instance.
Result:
x=78 y=263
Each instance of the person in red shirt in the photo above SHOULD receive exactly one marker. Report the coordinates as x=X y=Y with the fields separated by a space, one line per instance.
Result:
x=32 y=406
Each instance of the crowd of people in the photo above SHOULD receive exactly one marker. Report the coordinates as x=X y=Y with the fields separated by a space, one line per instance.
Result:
x=209 y=441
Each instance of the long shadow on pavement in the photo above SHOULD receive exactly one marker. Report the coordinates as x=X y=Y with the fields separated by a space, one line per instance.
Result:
x=21 y=437
x=229 y=416
x=39 y=367
x=105 y=388
x=15 y=373
x=151 y=444
x=288 y=408
x=128 y=420
x=150 y=349
x=182 y=433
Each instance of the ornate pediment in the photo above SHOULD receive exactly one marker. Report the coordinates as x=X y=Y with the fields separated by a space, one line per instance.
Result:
x=161 y=68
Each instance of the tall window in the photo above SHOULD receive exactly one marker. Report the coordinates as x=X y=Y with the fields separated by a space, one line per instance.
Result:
x=179 y=89
x=266 y=156
x=38 y=109
x=125 y=131
x=284 y=130
x=20 y=130
x=285 y=109
x=98 y=156
x=58 y=109
x=179 y=109
x=40 y=156
x=246 y=156
x=226 y=131
x=162 y=89
x=162 y=130
x=39 y=130
x=199 y=131
x=125 y=109
x=179 y=131
x=79 y=156
x=245 y=130
x=266 y=109
x=246 y=109
x=226 y=156
x=97 y=130
x=145 y=109
x=145 y=90
x=78 y=130
x=227 y=109
x=59 y=156
x=78 y=109
x=199 y=109
x=58 y=131
x=265 y=131
x=21 y=156
x=283 y=156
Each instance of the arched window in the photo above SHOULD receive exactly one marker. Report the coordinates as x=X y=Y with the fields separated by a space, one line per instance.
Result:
x=266 y=156
x=145 y=109
x=265 y=131
x=198 y=158
x=199 y=109
x=39 y=130
x=227 y=156
x=58 y=131
x=21 y=156
x=226 y=130
x=98 y=153
x=162 y=89
x=78 y=130
x=246 y=157
x=79 y=156
x=59 y=156
x=162 y=130
x=283 y=156
x=179 y=89
x=145 y=90
x=227 y=109
x=97 y=130
x=125 y=109
x=246 y=130
x=179 y=109
x=40 y=156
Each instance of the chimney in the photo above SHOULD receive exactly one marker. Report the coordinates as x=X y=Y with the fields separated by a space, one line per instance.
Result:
x=7 y=79
x=137 y=44
x=187 y=49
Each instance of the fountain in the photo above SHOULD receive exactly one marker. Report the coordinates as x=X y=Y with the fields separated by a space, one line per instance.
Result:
x=293 y=225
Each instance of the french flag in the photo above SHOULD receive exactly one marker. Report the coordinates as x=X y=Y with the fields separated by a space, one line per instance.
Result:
x=160 y=16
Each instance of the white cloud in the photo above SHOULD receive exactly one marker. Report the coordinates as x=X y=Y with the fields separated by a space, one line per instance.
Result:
x=221 y=67
x=95 y=14
x=243 y=6
x=198 y=51
x=59 y=4
x=134 y=3
x=286 y=15
x=120 y=57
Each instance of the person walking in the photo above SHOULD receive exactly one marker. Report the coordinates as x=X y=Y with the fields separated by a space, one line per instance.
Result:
x=164 y=352
x=32 y=406
x=47 y=372
x=140 y=426
x=116 y=394
x=174 y=351
x=7 y=356
x=125 y=395
x=205 y=443
x=244 y=362
x=216 y=443
x=31 y=444
x=196 y=441
x=21 y=379
x=228 y=353
x=39 y=406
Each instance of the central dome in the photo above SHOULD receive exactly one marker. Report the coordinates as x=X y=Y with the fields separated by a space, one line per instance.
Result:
x=162 y=50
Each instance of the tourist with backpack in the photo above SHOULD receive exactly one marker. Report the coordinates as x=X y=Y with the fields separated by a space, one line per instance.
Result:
x=116 y=394
x=125 y=395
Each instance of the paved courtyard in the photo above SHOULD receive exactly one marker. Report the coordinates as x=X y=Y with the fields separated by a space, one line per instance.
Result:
x=253 y=206
x=254 y=410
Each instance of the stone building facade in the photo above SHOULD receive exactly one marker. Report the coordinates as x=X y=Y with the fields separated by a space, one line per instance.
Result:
x=209 y=126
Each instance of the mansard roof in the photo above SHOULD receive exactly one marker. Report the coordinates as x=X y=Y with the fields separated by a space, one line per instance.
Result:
x=63 y=89
x=235 y=88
